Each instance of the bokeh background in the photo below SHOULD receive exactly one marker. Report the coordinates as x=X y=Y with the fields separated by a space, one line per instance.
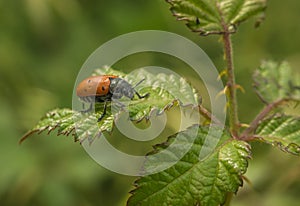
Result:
x=43 y=44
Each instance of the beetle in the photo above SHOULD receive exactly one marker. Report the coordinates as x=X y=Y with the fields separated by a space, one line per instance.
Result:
x=105 y=88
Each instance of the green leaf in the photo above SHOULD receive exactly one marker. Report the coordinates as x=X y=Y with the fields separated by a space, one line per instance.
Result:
x=190 y=181
x=69 y=122
x=216 y=16
x=274 y=81
x=282 y=132
x=166 y=90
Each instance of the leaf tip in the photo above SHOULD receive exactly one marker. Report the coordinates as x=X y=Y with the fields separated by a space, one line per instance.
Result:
x=26 y=135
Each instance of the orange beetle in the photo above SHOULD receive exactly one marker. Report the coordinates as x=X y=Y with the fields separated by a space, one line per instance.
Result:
x=104 y=88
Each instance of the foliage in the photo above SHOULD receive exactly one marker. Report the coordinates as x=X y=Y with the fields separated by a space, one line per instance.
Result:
x=194 y=182
x=216 y=16
x=282 y=132
x=274 y=81
x=165 y=91
x=189 y=181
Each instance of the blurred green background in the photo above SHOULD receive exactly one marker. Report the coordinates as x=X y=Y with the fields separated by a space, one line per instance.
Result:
x=43 y=44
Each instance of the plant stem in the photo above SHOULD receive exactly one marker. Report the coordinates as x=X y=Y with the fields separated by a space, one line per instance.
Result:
x=231 y=85
x=228 y=199
x=246 y=135
x=208 y=115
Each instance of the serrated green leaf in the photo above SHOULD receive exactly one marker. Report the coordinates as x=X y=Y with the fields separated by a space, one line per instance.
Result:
x=190 y=181
x=282 y=132
x=166 y=90
x=68 y=122
x=216 y=16
x=274 y=81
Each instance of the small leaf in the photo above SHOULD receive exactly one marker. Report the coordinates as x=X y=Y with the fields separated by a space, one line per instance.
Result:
x=274 y=81
x=165 y=92
x=190 y=181
x=68 y=122
x=216 y=16
x=282 y=132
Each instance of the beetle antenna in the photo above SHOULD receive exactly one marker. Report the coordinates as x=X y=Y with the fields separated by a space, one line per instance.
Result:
x=139 y=83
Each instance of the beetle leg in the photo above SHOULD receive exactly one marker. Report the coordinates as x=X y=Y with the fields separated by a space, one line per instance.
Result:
x=137 y=84
x=142 y=96
x=103 y=113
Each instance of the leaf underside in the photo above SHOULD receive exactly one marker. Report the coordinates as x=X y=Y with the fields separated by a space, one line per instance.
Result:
x=282 y=132
x=165 y=92
x=216 y=16
x=274 y=81
x=190 y=181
